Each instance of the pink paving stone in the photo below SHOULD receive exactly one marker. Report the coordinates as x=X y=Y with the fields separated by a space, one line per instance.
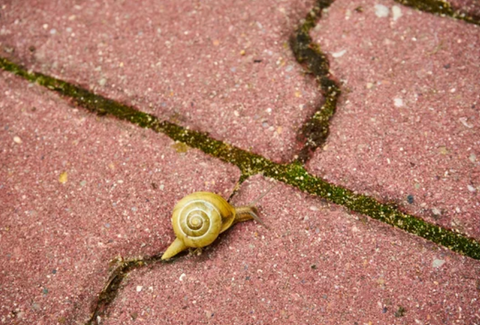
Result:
x=469 y=7
x=317 y=265
x=409 y=117
x=56 y=240
x=189 y=62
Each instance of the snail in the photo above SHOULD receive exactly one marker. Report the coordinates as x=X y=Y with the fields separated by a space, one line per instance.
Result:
x=200 y=217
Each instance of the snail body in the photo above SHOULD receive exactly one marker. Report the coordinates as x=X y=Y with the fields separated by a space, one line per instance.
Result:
x=200 y=217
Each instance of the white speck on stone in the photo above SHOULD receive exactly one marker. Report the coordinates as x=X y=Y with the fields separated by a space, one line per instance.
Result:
x=17 y=139
x=437 y=263
x=398 y=102
x=102 y=82
x=436 y=211
x=236 y=113
x=269 y=110
x=471 y=188
x=396 y=12
x=381 y=11
x=464 y=121
x=314 y=208
x=182 y=276
x=53 y=31
x=139 y=288
x=339 y=53
x=348 y=14
x=472 y=157
x=120 y=181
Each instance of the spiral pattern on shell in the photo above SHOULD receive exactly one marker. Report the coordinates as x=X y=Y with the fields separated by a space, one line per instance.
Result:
x=198 y=218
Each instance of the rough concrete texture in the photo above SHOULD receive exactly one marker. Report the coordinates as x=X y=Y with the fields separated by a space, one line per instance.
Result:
x=59 y=231
x=78 y=190
x=317 y=264
x=222 y=67
x=407 y=128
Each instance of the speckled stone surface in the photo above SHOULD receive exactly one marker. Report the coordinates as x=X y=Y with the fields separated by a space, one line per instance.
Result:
x=222 y=67
x=407 y=127
x=469 y=7
x=56 y=239
x=78 y=191
x=317 y=265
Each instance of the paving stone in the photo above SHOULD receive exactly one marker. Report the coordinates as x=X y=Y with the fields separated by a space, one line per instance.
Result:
x=222 y=67
x=77 y=191
x=407 y=127
x=317 y=264
x=470 y=7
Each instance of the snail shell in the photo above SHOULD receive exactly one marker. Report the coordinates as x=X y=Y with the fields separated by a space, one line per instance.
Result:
x=200 y=217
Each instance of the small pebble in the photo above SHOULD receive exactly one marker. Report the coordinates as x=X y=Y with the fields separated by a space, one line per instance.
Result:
x=471 y=188
x=410 y=199
x=381 y=11
x=396 y=12
x=398 y=102
x=472 y=157
x=17 y=139
x=436 y=211
x=339 y=54
x=139 y=288
x=437 y=263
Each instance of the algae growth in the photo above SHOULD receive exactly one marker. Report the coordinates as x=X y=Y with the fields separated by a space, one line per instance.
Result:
x=250 y=163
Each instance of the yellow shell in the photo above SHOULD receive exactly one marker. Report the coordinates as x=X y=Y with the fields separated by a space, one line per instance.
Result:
x=200 y=217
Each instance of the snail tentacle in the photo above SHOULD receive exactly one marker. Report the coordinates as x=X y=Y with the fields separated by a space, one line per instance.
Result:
x=248 y=213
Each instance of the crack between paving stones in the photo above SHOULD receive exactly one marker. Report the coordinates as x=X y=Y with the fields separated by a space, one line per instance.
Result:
x=314 y=132
x=443 y=8
x=249 y=164
x=121 y=268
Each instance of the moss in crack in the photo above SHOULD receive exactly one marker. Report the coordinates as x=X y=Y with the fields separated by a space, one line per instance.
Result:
x=442 y=7
x=315 y=131
x=249 y=163
x=297 y=176
x=121 y=268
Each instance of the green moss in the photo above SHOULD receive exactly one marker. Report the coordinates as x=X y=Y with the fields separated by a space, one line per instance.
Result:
x=250 y=164
x=120 y=269
x=441 y=7
x=315 y=131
